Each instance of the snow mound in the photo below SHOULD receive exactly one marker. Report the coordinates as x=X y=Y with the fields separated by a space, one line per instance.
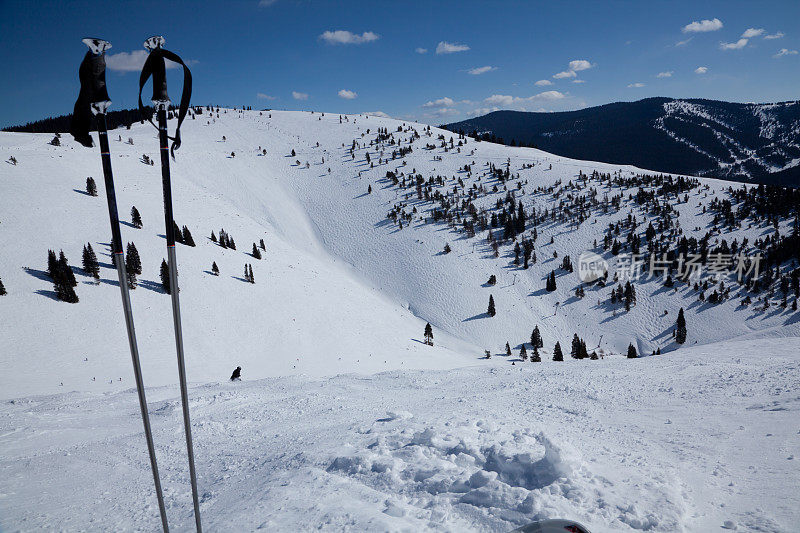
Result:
x=459 y=470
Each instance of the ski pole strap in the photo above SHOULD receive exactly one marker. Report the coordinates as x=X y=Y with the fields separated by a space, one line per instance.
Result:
x=92 y=74
x=154 y=66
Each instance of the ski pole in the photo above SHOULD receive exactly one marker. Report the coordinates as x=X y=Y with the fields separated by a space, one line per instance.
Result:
x=94 y=100
x=154 y=66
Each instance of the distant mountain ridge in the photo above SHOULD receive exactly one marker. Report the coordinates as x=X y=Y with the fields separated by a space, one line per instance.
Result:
x=742 y=142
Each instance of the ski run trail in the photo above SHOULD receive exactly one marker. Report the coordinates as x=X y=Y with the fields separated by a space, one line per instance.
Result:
x=345 y=420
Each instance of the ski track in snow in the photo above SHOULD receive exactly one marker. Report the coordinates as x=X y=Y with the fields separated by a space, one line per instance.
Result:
x=682 y=442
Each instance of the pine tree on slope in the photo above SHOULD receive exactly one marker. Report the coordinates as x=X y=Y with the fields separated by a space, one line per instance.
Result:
x=557 y=354
x=428 y=334
x=680 y=328
x=136 y=218
x=164 y=274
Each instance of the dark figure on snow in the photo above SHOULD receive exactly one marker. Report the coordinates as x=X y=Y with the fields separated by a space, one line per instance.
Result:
x=237 y=374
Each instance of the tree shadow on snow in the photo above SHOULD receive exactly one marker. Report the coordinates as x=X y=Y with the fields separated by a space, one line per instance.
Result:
x=476 y=317
x=49 y=294
x=240 y=279
x=151 y=286
x=82 y=192
x=38 y=274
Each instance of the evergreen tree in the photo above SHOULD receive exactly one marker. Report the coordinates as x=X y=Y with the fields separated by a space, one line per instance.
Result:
x=551 y=281
x=164 y=274
x=536 y=338
x=252 y=277
x=491 y=311
x=213 y=237
x=2 y=288
x=535 y=357
x=176 y=232
x=557 y=355
x=133 y=262
x=523 y=353
x=263 y=246
x=680 y=328
x=428 y=334
x=447 y=248
x=52 y=264
x=91 y=187
x=575 y=351
x=214 y=268
x=492 y=280
x=133 y=265
x=256 y=253
x=64 y=268
x=136 y=218
x=187 y=237
x=632 y=352
x=64 y=280
x=508 y=349
x=90 y=263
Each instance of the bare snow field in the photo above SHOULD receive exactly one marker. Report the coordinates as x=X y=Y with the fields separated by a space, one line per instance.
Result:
x=345 y=420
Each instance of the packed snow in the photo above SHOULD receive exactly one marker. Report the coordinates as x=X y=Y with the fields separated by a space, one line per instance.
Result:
x=345 y=419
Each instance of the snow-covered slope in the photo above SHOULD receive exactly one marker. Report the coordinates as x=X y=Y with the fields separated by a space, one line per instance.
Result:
x=339 y=282
x=703 y=438
x=440 y=439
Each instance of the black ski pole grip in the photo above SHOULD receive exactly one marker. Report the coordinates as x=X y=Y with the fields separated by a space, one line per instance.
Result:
x=155 y=67
x=93 y=98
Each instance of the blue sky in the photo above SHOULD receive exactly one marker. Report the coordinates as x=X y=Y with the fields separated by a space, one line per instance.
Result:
x=351 y=57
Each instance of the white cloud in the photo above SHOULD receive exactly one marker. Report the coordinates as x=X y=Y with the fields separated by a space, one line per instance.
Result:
x=703 y=26
x=738 y=45
x=346 y=37
x=776 y=35
x=548 y=95
x=265 y=3
x=450 y=48
x=577 y=65
x=665 y=74
x=785 y=52
x=421 y=50
x=749 y=33
x=376 y=114
x=483 y=111
x=542 y=83
x=444 y=111
x=299 y=96
x=701 y=70
x=134 y=61
x=263 y=96
x=501 y=99
x=564 y=74
x=507 y=100
x=684 y=43
x=636 y=85
x=578 y=81
x=441 y=102
x=481 y=70
x=347 y=95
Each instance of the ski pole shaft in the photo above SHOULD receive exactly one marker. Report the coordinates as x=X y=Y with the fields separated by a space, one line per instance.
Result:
x=119 y=261
x=176 y=306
